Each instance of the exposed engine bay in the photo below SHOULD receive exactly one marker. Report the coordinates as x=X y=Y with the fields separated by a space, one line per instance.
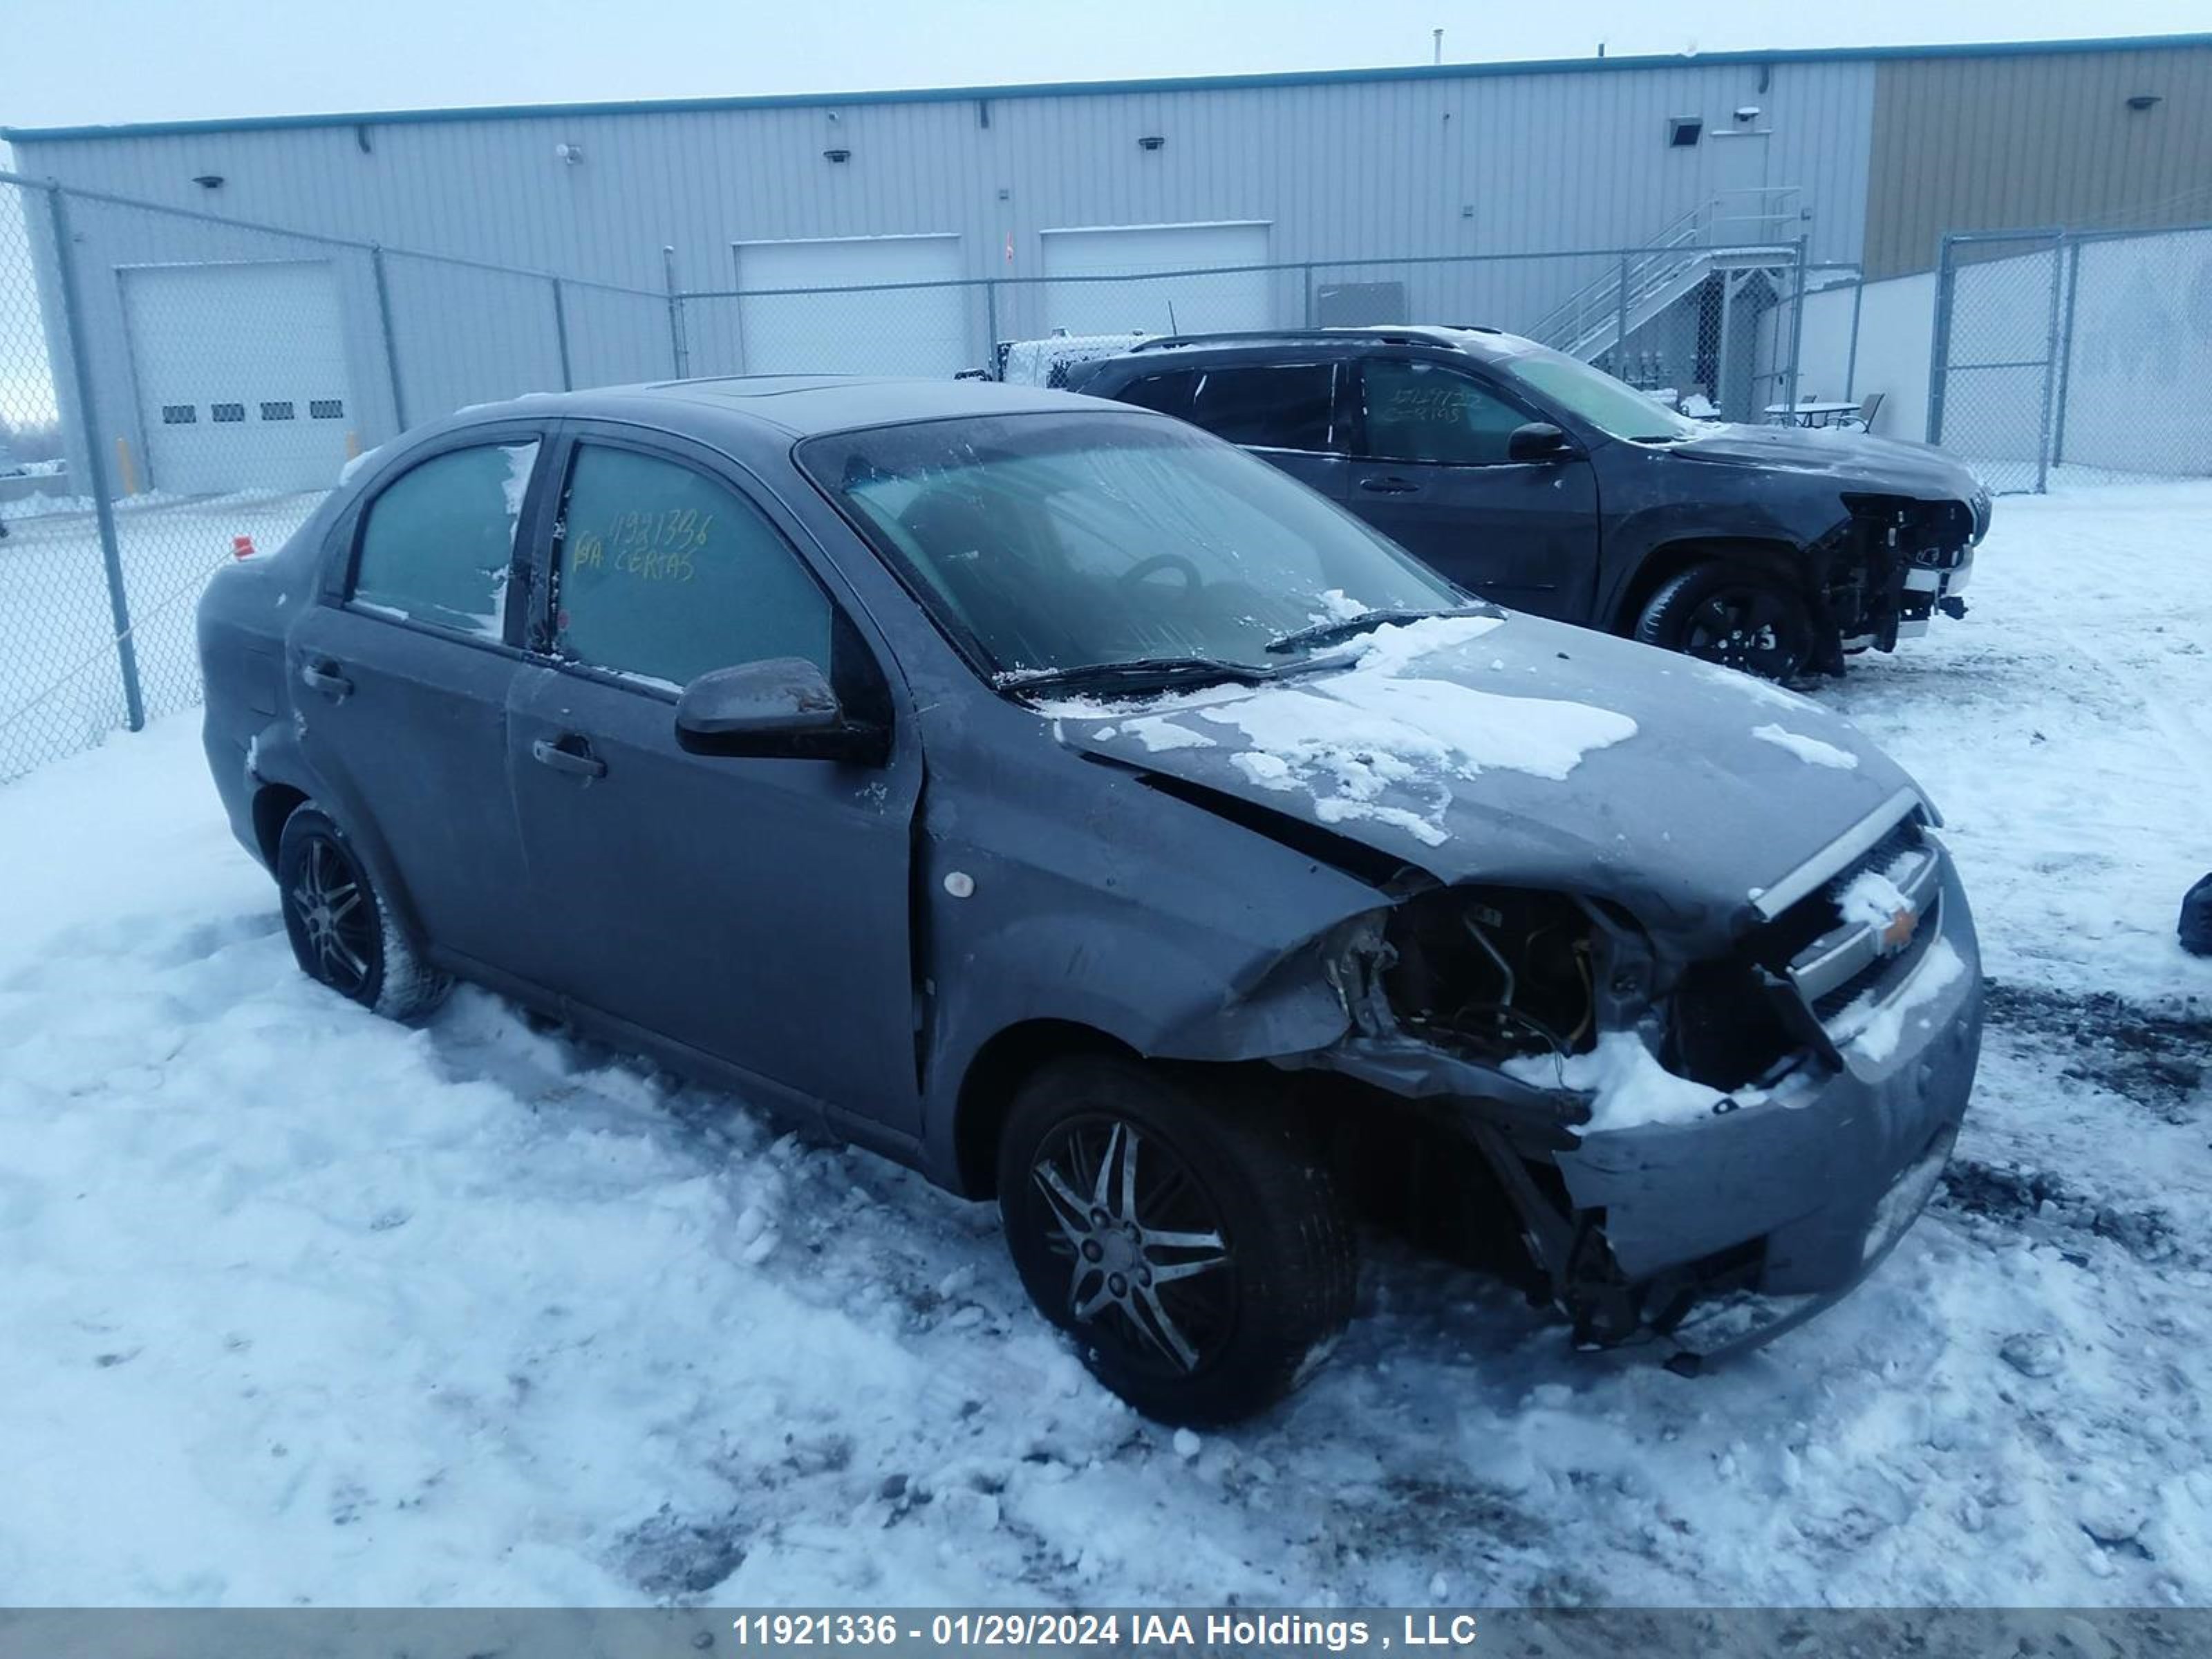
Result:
x=1892 y=564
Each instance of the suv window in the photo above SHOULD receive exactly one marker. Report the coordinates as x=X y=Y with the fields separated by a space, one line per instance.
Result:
x=1169 y=393
x=666 y=574
x=1418 y=411
x=439 y=541
x=1268 y=406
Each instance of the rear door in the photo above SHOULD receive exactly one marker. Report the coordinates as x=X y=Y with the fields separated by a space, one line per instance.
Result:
x=753 y=910
x=1295 y=414
x=1429 y=470
x=402 y=675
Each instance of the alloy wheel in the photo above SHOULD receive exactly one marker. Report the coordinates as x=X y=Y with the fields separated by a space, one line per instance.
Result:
x=337 y=921
x=1751 y=630
x=1150 y=1267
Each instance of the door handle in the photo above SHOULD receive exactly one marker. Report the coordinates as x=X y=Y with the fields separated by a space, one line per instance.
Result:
x=325 y=678
x=578 y=762
x=1387 y=486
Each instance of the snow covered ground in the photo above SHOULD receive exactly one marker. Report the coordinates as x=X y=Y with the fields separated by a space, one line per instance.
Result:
x=300 y=1306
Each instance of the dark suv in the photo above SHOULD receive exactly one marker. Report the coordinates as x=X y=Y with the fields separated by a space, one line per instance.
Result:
x=1538 y=480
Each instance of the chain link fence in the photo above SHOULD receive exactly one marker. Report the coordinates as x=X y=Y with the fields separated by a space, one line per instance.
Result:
x=175 y=385
x=2085 y=351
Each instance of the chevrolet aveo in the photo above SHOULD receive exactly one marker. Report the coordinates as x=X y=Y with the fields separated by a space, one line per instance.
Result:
x=1054 y=797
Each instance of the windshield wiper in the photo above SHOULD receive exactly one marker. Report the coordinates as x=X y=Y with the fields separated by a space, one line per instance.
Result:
x=1343 y=628
x=1138 y=674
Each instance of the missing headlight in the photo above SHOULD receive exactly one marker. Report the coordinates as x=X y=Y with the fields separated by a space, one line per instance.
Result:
x=1494 y=970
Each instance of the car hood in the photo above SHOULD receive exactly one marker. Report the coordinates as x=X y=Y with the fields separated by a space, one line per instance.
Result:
x=1853 y=459
x=1512 y=750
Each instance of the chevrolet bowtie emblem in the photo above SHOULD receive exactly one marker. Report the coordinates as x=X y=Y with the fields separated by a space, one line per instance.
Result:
x=1897 y=931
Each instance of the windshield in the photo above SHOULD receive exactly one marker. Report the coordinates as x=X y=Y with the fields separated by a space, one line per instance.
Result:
x=1063 y=541
x=1614 y=407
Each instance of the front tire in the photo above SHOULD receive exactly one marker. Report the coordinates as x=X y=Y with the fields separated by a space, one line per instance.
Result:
x=341 y=931
x=1188 y=1238
x=1735 y=615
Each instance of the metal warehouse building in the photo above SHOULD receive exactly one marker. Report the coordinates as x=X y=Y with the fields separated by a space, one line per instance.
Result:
x=1614 y=206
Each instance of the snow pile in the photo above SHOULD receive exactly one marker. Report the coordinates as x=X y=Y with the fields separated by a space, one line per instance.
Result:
x=1871 y=899
x=1873 y=1029
x=1811 y=751
x=1630 y=1088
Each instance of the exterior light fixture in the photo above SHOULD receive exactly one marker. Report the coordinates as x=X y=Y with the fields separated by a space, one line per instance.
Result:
x=837 y=157
x=2143 y=100
x=1152 y=141
x=208 y=180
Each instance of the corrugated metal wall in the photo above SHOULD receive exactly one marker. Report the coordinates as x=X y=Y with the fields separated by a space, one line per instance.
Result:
x=1350 y=169
x=1982 y=143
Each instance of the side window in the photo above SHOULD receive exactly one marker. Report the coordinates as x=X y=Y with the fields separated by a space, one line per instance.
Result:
x=667 y=574
x=439 y=541
x=1418 y=411
x=1270 y=405
x=1168 y=393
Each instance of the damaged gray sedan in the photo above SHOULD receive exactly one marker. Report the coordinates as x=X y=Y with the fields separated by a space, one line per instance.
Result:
x=1059 y=800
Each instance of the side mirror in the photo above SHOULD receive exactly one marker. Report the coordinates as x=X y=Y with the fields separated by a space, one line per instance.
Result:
x=781 y=709
x=1538 y=440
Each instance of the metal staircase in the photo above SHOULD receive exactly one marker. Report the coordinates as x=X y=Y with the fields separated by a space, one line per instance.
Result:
x=1736 y=231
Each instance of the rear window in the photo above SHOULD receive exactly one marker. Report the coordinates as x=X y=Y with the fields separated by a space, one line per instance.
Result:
x=439 y=542
x=1269 y=405
x=1168 y=393
x=1259 y=405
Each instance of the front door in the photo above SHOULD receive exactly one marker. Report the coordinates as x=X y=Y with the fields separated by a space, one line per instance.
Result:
x=402 y=673
x=1430 y=471
x=753 y=910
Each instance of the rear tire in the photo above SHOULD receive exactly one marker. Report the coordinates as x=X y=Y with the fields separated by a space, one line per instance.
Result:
x=1735 y=615
x=1189 y=1237
x=343 y=932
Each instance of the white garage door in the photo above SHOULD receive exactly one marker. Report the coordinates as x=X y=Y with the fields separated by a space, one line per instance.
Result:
x=241 y=375
x=879 y=331
x=1159 y=305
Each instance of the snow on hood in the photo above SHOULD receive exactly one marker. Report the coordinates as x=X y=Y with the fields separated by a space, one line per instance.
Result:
x=1514 y=750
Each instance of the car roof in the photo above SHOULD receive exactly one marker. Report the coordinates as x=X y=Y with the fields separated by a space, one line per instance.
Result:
x=801 y=405
x=1472 y=339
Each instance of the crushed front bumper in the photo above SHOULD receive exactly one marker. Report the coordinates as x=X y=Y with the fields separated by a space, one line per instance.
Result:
x=1728 y=1230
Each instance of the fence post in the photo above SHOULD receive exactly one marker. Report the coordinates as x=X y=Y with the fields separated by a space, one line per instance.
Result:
x=1307 y=278
x=1939 y=343
x=991 y=324
x=1852 y=356
x=1620 y=321
x=391 y=346
x=1723 y=382
x=2066 y=352
x=1796 y=328
x=96 y=465
x=560 y=336
x=679 y=354
x=2050 y=365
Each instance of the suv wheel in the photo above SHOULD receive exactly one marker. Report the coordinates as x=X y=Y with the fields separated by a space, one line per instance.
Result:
x=1191 y=1242
x=1733 y=615
x=342 y=932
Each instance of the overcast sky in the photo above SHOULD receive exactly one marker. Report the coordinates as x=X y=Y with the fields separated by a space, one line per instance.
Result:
x=66 y=61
